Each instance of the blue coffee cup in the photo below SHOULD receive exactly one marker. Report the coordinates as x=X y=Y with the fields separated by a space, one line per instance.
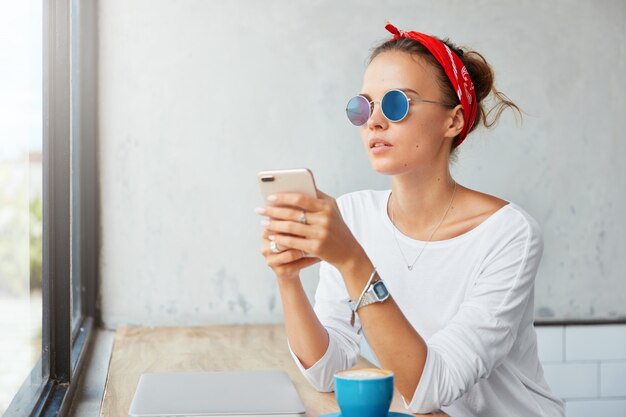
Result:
x=364 y=392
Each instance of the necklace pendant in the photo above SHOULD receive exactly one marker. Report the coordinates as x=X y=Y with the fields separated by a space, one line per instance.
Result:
x=410 y=267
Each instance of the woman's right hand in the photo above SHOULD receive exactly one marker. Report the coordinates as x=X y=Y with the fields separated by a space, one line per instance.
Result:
x=286 y=264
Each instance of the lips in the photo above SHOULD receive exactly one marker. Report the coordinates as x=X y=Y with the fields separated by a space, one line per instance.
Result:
x=377 y=142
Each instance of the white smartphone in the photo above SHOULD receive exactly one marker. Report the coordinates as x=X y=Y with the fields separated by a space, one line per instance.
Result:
x=298 y=180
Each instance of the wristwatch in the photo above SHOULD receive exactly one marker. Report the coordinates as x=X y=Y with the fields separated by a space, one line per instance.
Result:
x=376 y=293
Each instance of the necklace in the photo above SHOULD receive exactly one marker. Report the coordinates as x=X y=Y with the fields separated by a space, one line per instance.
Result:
x=410 y=266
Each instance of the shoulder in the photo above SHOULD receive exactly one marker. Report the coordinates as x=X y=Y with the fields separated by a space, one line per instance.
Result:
x=507 y=219
x=516 y=230
x=525 y=224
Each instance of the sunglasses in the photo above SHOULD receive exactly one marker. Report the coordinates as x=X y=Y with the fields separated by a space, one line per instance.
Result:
x=394 y=105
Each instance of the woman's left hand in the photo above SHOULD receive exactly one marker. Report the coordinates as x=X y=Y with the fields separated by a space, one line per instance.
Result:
x=324 y=235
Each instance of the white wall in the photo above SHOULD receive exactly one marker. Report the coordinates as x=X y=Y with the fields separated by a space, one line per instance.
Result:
x=196 y=96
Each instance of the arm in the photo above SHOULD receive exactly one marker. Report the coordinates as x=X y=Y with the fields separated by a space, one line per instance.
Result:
x=320 y=340
x=308 y=339
x=481 y=334
x=396 y=343
x=476 y=340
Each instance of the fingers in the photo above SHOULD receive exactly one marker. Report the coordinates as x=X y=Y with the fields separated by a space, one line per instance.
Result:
x=266 y=246
x=294 y=242
x=287 y=262
x=286 y=213
x=266 y=234
x=284 y=243
x=299 y=200
x=291 y=228
x=284 y=257
x=289 y=220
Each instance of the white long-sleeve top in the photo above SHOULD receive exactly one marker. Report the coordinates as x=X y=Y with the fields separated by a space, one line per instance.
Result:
x=470 y=298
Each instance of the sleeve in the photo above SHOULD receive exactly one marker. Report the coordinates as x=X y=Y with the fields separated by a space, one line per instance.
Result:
x=483 y=331
x=333 y=311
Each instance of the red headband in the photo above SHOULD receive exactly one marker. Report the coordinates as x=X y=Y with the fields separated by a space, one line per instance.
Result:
x=461 y=83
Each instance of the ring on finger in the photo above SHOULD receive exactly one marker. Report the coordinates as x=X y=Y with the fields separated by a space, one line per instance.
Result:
x=302 y=218
x=274 y=247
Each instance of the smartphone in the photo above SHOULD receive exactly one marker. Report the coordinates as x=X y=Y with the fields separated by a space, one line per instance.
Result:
x=298 y=180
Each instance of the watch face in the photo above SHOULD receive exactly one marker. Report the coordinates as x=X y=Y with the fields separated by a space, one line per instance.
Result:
x=380 y=290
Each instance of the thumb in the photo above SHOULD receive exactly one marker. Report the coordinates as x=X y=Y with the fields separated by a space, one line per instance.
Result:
x=323 y=195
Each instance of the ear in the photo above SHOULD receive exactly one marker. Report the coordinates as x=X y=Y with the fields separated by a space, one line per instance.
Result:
x=455 y=123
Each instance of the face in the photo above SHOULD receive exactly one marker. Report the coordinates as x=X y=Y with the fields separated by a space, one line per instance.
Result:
x=422 y=139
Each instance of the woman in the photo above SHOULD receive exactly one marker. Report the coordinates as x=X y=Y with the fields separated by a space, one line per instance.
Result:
x=458 y=265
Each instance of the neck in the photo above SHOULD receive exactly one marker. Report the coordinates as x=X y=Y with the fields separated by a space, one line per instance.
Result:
x=419 y=200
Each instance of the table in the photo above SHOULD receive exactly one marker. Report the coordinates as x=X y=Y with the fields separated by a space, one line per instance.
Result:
x=211 y=348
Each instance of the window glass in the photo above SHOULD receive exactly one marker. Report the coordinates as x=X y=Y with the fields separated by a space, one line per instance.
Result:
x=20 y=194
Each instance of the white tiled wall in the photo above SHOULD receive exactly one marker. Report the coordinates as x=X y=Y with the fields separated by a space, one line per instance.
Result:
x=584 y=365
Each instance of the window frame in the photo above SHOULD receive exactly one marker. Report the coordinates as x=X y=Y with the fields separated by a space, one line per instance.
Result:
x=70 y=206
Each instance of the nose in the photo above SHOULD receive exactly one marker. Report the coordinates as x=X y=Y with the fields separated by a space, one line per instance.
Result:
x=377 y=120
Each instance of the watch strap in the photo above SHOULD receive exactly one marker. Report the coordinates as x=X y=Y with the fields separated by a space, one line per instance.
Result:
x=367 y=299
x=370 y=296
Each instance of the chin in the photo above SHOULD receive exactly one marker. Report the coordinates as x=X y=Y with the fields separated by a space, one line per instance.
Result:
x=388 y=167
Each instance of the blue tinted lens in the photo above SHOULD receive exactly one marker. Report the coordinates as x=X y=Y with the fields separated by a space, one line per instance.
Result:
x=358 y=110
x=395 y=105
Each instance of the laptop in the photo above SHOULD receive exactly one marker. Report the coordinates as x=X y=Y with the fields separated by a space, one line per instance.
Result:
x=216 y=394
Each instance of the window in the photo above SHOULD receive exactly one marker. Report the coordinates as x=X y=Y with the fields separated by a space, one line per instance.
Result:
x=21 y=196
x=48 y=200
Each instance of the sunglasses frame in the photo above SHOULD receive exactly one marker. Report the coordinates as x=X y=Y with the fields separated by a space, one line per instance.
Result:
x=408 y=99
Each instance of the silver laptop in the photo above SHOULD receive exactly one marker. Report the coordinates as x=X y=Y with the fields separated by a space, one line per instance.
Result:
x=216 y=394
